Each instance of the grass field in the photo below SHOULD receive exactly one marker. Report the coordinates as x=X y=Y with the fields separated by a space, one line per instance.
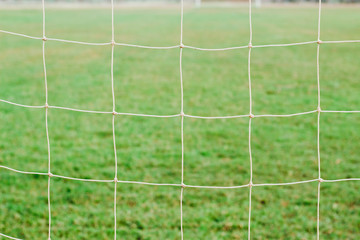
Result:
x=149 y=149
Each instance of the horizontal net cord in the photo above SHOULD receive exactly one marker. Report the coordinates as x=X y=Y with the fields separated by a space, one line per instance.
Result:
x=343 y=41
x=216 y=117
x=252 y=46
x=21 y=105
x=335 y=111
x=179 y=114
x=88 y=111
x=78 y=110
x=285 y=115
x=20 y=35
x=342 y=180
x=178 y=185
x=178 y=46
x=148 y=47
x=1 y=234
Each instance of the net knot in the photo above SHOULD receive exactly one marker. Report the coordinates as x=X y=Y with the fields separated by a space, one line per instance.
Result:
x=46 y=105
x=182 y=45
x=251 y=115
x=250 y=45
x=114 y=113
x=182 y=114
x=115 y=180
x=251 y=184
x=50 y=174
x=183 y=185
x=44 y=38
x=318 y=109
x=319 y=41
x=321 y=180
x=113 y=43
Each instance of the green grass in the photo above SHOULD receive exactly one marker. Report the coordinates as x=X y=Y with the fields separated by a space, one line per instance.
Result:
x=149 y=149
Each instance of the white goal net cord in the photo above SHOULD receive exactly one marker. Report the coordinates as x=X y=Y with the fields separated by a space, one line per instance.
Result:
x=182 y=115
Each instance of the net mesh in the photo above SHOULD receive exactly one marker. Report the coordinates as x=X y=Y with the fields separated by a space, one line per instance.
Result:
x=182 y=115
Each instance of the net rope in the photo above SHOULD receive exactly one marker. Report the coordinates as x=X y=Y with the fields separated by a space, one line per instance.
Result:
x=182 y=116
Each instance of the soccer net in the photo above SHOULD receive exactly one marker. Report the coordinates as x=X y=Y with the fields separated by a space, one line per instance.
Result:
x=180 y=115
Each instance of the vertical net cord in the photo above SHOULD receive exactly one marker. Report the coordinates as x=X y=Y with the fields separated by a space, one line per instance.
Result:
x=46 y=119
x=318 y=125
x=113 y=108
x=182 y=119
x=251 y=116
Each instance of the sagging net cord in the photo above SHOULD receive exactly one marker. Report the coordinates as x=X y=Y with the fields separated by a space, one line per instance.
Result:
x=179 y=114
x=178 y=46
x=182 y=185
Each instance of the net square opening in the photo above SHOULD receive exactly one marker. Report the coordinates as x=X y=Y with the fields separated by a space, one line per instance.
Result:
x=339 y=145
x=284 y=25
x=21 y=70
x=23 y=144
x=83 y=24
x=81 y=209
x=216 y=152
x=340 y=215
x=284 y=79
x=151 y=27
x=224 y=217
x=284 y=149
x=290 y=210
x=147 y=80
x=339 y=76
x=216 y=83
x=11 y=19
x=148 y=149
x=81 y=144
x=339 y=23
x=75 y=77
x=23 y=205
x=148 y=212
x=216 y=27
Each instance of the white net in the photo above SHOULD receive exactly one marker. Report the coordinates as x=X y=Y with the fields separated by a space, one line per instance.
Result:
x=182 y=115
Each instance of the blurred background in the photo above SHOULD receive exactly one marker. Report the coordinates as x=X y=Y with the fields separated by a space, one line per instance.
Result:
x=284 y=81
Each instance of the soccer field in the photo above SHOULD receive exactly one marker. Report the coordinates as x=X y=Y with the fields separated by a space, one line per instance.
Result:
x=284 y=149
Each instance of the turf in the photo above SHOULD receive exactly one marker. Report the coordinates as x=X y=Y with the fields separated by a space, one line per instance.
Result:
x=149 y=149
